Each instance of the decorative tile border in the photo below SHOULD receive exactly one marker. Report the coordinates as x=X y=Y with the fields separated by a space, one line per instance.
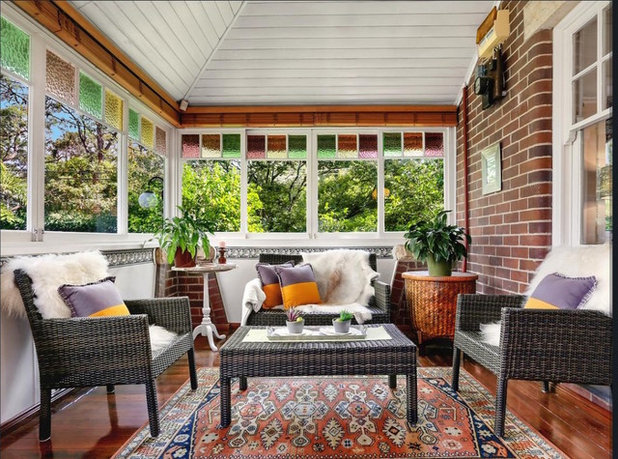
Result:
x=254 y=252
x=116 y=258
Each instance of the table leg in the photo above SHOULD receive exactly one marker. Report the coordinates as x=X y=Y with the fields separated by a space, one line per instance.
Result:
x=411 y=412
x=207 y=328
x=392 y=381
x=226 y=403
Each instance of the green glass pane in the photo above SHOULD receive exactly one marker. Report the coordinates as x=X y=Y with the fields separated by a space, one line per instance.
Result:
x=147 y=133
x=90 y=95
x=297 y=146
x=133 y=124
x=327 y=146
x=14 y=49
x=231 y=145
x=392 y=144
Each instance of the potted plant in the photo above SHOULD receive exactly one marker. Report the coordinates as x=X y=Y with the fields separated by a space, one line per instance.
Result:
x=438 y=243
x=342 y=323
x=181 y=236
x=295 y=321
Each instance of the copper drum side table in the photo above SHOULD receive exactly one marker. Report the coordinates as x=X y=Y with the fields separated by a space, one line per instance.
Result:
x=433 y=302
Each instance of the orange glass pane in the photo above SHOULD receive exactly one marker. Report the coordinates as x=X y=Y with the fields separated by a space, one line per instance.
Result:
x=211 y=146
x=347 y=146
x=277 y=147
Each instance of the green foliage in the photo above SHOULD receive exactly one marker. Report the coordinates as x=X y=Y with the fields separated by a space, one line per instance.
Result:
x=144 y=164
x=436 y=238
x=345 y=315
x=187 y=233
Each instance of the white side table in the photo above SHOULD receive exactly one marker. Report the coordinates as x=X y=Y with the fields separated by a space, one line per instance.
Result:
x=207 y=328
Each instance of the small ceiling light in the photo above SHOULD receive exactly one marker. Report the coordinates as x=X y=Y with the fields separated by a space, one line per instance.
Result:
x=148 y=199
x=184 y=103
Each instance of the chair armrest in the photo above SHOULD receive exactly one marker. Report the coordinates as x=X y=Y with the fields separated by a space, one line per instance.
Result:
x=172 y=313
x=382 y=295
x=556 y=345
x=476 y=309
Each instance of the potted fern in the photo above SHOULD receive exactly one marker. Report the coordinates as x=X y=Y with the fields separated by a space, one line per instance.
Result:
x=295 y=322
x=437 y=243
x=342 y=323
x=181 y=236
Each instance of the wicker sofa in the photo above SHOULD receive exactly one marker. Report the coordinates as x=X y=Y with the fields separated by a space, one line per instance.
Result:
x=379 y=305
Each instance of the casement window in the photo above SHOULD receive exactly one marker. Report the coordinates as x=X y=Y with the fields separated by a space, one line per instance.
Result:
x=583 y=125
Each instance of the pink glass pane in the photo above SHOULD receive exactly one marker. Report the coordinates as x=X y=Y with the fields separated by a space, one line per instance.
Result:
x=434 y=144
x=60 y=78
x=160 y=143
x=191 y=146
x=256 y=147
x=413 y=144
x=368 y=146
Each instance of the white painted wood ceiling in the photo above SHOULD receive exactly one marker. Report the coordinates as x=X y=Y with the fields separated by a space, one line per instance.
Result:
x=297 y=52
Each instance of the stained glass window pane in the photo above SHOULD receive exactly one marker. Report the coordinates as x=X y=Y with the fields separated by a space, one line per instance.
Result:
x=113 y=110
x=90 y=95
x=434 y=144
x=277 y=148
x=368 y=146
x=413 y=144
x=60 y=78
x=231 y=145
x=297 y=146
x=346 y=146
x=211 y=146
x=256 y=146
x=191 y=146
x=14 y=49
x=147 y=133
x=160 y=141
x=392 y=144
x=133 y=124
x=327 y=146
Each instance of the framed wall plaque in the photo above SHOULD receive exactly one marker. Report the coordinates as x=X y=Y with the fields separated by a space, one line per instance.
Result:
x=491 y=172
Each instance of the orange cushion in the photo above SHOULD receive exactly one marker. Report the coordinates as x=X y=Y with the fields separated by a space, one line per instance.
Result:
x=298 y=286
x=270 y=283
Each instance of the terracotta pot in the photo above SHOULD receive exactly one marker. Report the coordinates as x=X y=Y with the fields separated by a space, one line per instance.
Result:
x=439 y=268
x=183 y=259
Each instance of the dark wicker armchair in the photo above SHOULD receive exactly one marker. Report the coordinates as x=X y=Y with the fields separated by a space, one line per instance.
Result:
x=379 y=305
x=104 y=351
x=571 y=346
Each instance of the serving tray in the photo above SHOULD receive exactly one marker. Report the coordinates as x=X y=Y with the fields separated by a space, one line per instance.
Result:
x=317 y=333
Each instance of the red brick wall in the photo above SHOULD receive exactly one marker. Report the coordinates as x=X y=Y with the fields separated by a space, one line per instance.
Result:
x=511 y=228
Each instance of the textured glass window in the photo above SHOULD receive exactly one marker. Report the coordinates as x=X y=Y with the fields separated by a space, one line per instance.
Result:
x=256 y=147
x=434 y=144
x=145 y=164
x=147 y=137
x=327 y=146
x=160 y=141
x=585 y=96
x=90 y=95
x=211 y=146
x=231 y=145
x=297 y=146
x=191 y=146
x=368 y=146
x=113 y=110
x=277 y=148
x=412 y=144
x=347 y=146
x=585 y=46
x=14 y=49
x=133 y=124
x=60 y=78
x=392 y=144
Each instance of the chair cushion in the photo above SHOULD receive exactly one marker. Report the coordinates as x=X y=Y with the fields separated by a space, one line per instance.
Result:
x=96 y=299
x=298 y=286
x=556 y=291
x=270 y=283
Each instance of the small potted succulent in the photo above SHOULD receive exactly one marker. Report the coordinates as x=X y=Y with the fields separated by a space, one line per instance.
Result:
x=295 y=322
x=342 y=323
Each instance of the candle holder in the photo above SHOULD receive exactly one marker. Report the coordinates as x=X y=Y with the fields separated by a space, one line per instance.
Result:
x=222 y=260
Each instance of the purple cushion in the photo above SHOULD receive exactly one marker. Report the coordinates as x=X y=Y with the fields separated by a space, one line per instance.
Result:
x=557 y=291
x=96 y=299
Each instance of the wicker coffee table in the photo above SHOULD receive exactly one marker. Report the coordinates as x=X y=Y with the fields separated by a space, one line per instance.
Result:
x=392 y=357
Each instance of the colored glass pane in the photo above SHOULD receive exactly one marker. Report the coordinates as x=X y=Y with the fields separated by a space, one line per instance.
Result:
x=231 y=145
x=347 y=146
x=297 y=146
x=191 y=146
x=160 y=141
x=60 y=78
x=147 y=133
x=392 y=144
x=90 y=95
x=367 y=146
x=211 y=146
x=113 y=110
x=133 y=124
x=327 y=146
x=14 y=49
x=277 y=147
x=434 y=144
x=256 y=147
x=413 y=144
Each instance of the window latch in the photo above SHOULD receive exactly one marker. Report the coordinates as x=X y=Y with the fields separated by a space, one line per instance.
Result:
x=37 y=235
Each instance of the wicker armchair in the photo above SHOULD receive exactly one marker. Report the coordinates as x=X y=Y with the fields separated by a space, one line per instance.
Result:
x=379 y=305
x=84 y=352
x=571 y=346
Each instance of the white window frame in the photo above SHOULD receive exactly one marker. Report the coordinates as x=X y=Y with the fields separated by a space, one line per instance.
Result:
x=567 y=184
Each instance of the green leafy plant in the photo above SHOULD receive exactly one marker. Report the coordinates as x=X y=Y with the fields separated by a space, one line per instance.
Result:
x=293 y=315
x=345 y=315
x=187 y=233
x=436 y=238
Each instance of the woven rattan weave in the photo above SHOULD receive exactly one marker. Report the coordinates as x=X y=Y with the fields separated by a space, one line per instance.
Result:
x=396 y=356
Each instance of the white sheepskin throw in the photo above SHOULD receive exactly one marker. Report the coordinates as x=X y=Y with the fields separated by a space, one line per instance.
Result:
x=491 y=333
x=343 y=276
x=48 y=272
x=160 y=338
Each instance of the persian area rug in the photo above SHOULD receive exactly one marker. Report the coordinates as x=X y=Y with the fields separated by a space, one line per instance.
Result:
x=308 y=417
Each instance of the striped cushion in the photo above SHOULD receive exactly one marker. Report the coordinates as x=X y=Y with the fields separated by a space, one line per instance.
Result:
x=270 y=283
x=97 y=299
x=556 y=291
x=298 y=286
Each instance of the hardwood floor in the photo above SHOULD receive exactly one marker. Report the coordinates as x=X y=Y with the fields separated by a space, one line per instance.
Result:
x=91 y=424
